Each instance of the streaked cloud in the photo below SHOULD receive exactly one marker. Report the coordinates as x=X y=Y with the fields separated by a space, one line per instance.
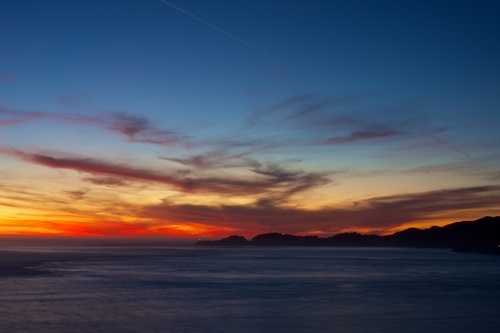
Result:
x=106 y=181
x=292 y=101
x=377 y=214
x=77 y=194
x=368 y=134
x=140 y=129
x=135 y=128
x=12 y=117
x=270 y=180
x=217 y=159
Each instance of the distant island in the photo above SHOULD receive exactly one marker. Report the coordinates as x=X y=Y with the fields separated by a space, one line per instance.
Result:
x=481 y=235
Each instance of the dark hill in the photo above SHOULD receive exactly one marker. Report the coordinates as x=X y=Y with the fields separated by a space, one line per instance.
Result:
x=482 y=235
x=234 y=240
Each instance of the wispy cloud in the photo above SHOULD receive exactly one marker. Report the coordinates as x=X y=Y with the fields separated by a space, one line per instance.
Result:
x=364 y=135
x=98 y=167
x=446 y=143
x=77 y=194
x=316 y=110
x=11 y=117
x=376 y=214
x=296 y=180
x=272 y=180
x=140 y=129
x=217 y=159
x=292 y=101
x=135 y=128
x=106 y=181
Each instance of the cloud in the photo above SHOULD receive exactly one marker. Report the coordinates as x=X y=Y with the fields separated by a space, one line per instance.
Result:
x=135 y=128
x=11 y=117
x=139 y=129
x=376 y=214
x=295 y=180
x=446 y=143
x=305 y=106
x=364 y=135
x=97 y=167
x=106 y=181
x=217 y=159
x=128 y=125
x=287 y=102
x=11 y=122
x=435 y=201
x=77 y=194
x=317 y=111
x=270 y=180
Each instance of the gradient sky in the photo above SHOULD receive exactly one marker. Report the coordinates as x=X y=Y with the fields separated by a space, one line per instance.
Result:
x=210 y=118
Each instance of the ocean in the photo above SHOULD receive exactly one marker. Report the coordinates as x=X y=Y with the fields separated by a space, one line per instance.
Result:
x=251 y=289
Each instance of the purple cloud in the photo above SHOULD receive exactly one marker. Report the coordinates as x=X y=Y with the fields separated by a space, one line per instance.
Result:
x=11 y=117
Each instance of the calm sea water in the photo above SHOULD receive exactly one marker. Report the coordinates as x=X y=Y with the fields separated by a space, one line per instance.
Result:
x=258 y=290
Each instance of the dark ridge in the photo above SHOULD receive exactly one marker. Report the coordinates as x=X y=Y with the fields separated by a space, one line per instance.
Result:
x=234 y=240
x=481 y=235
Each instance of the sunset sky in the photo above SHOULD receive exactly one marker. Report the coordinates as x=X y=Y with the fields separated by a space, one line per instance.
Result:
x=209 y=118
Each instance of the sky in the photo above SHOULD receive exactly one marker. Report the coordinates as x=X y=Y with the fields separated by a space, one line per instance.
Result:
x=190 y=118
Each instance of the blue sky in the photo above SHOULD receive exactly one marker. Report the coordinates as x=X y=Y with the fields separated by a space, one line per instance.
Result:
x=312 y=107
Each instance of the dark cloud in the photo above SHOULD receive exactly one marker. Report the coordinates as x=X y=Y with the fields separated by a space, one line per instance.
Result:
x=271 y=180
x=381 y=213
x=435 y=201
x=140 y=129
x=106 y=181
x=128 y=125
x=294 y=181
x=217 y=159
x=135 y=128
x=77 y=194
x=364 y=135
x=98 y=167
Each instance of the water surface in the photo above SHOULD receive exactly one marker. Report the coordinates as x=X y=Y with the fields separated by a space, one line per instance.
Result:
x=118 y=289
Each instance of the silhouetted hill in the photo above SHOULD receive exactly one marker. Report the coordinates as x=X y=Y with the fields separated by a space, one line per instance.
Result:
x=482 y=235
x=234 y=240
x=277 y=239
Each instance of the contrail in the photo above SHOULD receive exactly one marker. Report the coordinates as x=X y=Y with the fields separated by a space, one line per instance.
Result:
x=221 y=31
x=435 y=137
